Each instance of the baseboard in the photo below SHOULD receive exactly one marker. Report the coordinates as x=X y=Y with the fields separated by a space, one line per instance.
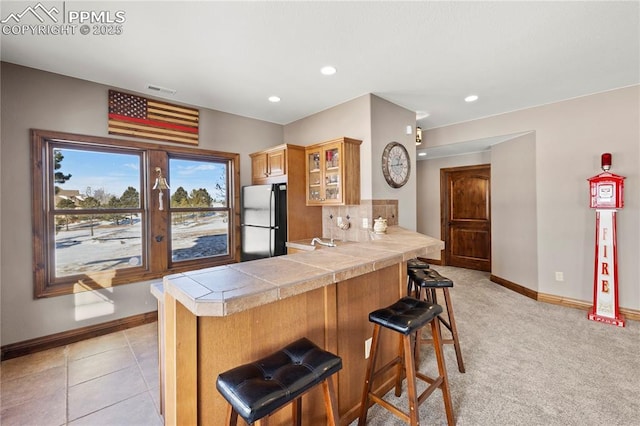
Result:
x=515 y=287
x=39 y=344
x=432 y=261
x=630 y=314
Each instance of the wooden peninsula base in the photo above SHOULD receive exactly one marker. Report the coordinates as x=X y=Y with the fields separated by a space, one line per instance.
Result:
x=219 y=318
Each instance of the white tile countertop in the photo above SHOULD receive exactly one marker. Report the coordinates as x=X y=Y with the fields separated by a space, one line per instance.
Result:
x=224 y=290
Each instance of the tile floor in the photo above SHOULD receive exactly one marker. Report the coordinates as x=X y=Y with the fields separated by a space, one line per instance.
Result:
x=107 y=380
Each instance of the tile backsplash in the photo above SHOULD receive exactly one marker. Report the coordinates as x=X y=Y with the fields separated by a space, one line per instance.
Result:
x=354 y=215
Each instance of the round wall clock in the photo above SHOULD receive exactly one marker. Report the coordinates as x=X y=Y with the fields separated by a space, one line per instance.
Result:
x=395 y=164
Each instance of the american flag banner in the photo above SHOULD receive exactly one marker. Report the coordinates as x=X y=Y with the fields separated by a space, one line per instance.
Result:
x=131 y=115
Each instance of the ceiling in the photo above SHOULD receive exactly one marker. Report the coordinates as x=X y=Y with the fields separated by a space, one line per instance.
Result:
x=424 y=56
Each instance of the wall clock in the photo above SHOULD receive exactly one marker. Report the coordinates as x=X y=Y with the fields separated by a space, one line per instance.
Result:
x=395 y=164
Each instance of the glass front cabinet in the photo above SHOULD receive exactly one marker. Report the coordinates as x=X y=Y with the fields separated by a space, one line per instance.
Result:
x=333 y=172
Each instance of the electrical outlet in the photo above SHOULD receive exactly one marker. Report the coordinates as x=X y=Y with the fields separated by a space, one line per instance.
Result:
x=365 y=222
x=367 y=347
x=559 y=276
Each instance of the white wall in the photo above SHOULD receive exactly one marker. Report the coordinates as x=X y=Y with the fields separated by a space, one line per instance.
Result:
x=570 y=137
x=36 y=99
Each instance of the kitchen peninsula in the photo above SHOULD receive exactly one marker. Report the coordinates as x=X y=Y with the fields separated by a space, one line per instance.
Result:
x=218 y=318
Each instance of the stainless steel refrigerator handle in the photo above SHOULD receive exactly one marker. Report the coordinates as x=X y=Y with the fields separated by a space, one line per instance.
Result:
x=271 y=209
x=260 y=226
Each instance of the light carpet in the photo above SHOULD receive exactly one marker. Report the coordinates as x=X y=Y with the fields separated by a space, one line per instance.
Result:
x=528 y=363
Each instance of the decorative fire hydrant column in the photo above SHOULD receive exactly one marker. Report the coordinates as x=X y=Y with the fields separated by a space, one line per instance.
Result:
x=606 y=197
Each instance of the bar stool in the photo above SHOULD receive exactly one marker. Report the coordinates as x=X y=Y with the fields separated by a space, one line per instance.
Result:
x=256 y=390
x=426 y=282
x=406 y=316
x=414 y=264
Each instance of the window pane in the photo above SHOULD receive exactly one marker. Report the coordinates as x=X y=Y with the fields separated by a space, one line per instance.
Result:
x=197 y=183
x=86 y=179
x=199 y=234
x=90 y=243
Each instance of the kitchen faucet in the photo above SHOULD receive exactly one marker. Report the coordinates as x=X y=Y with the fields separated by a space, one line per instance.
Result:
x=322 y=243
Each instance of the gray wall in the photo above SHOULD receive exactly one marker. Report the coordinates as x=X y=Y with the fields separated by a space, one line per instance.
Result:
x=36 y=99
x=570 y=136
x=388 y=124
x=350 y=119
x=514 y=246
x=376 y=122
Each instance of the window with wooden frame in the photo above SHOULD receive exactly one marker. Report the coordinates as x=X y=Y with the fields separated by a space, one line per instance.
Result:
x=108 y=212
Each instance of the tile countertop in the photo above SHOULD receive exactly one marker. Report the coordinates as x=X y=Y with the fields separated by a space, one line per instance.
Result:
x=224 y=290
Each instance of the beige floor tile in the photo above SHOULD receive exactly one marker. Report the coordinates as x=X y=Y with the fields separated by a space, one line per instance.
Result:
x=150 y=372
x=33 y=387
x=32 y=363
x=107 y=380
x=49 y=410
x=104 y=391
x=137 y=410
x=100 y=364
x=96 y=345
x=155 y=394
x=143 y=332
x=145 y=349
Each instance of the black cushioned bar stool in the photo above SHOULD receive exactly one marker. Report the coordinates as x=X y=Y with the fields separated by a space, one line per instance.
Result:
x=414 y=264
x=425 y=283
x=256 y=390
x=405 y=317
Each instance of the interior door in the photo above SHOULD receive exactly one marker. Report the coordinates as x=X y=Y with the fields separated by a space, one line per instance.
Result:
x=466 y=216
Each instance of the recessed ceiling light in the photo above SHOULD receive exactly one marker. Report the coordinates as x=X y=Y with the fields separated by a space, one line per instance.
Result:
x=471 y=98
x=328 y=70
x=422 y=154
x=274 y=99
x=421 y=114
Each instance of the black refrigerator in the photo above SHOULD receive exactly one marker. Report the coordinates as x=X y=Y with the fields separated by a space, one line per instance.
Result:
x=264 y=221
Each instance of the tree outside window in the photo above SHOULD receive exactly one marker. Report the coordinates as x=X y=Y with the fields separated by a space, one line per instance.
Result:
x=97 y=222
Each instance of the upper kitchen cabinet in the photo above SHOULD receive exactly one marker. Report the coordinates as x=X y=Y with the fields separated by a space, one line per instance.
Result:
x=269 y=166
x=285 y=164
x=333 y=172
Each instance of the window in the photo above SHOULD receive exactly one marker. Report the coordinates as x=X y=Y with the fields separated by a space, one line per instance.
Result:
x=110 y=212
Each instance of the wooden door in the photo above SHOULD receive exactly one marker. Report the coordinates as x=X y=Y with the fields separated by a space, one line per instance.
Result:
x=466 y=216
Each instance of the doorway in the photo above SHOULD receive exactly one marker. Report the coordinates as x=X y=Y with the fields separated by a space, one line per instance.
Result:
x=465 y=212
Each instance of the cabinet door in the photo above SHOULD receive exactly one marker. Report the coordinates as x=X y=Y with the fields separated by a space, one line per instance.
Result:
x=332 y=159
x=276 y=161
x=259 y=167
x=314 y=176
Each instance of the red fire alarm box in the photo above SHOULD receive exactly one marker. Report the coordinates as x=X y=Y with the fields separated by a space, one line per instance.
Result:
x=606 y=191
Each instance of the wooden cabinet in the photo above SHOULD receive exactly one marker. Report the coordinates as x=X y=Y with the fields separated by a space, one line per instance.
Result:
x=285 y=164
x=269 y=166
x=333 y=172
